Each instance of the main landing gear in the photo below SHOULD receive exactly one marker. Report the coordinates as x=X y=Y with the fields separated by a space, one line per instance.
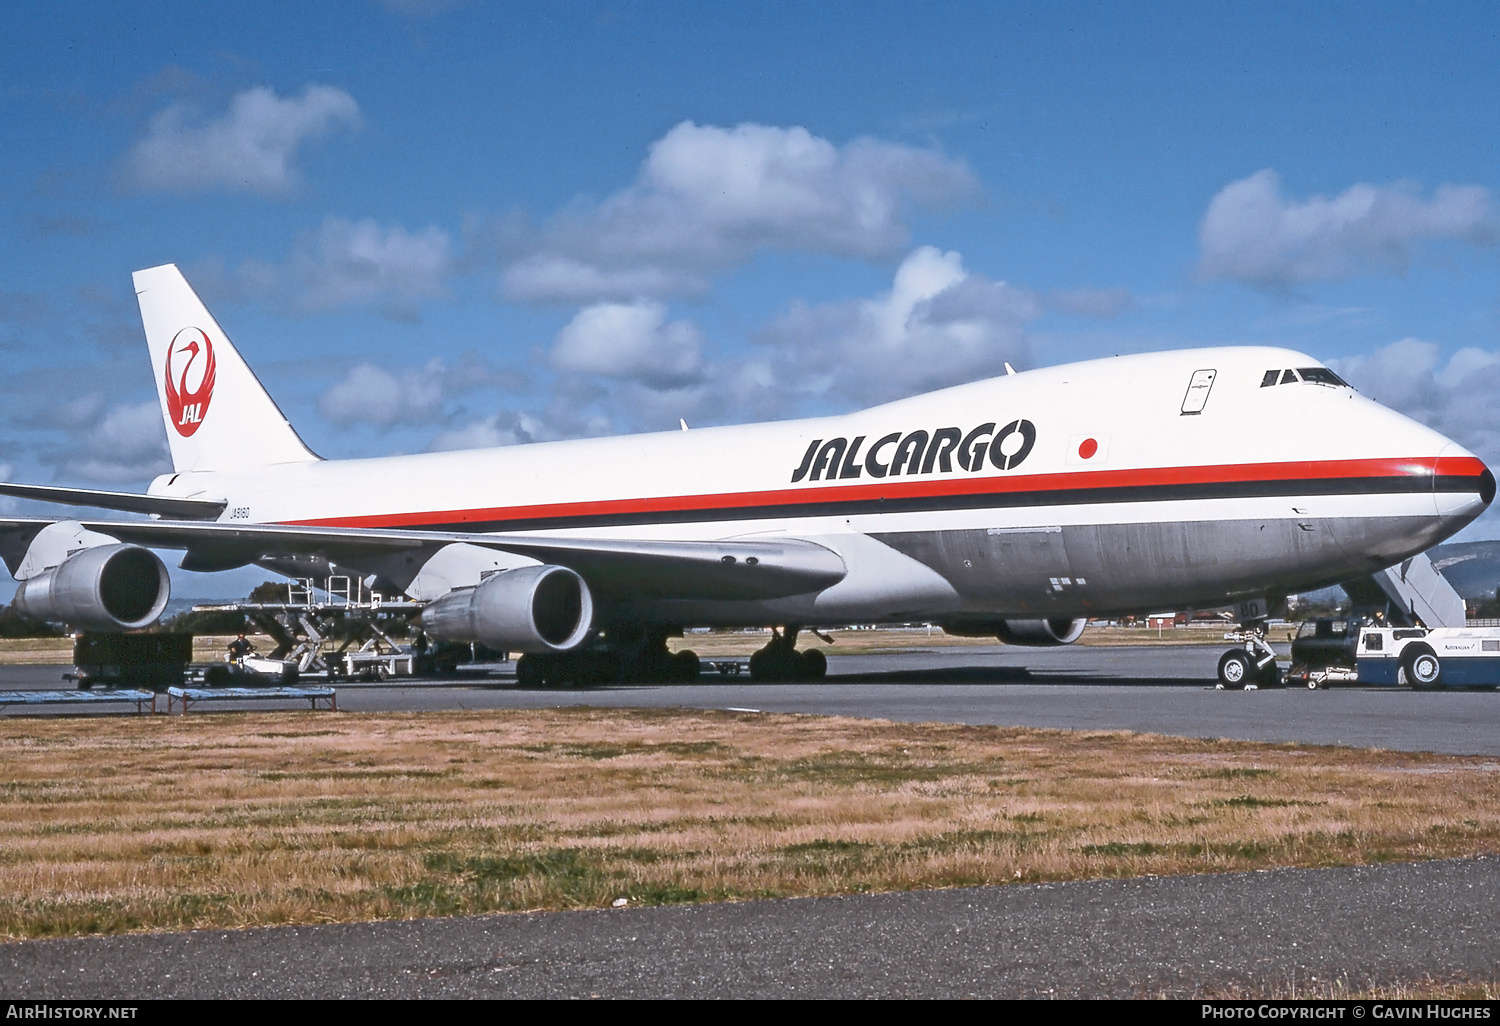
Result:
x=780 y=660
x=640 y=656
x=619 y=657
x=1252 y=665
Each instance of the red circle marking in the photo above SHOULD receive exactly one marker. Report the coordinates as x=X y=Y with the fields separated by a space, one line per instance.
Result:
x=1088 y=448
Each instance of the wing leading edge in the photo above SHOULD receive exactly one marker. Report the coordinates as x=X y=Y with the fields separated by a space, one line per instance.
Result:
x=729 y=569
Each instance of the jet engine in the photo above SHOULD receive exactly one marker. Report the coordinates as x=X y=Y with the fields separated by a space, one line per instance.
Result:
x=104 y=588
x=528 y=609
x=1034 y=633
x=1040 y=633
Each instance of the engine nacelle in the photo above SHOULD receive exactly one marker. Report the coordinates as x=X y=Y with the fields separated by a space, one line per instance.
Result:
x=1035 y=633
x=104 y=588
x=529 y=609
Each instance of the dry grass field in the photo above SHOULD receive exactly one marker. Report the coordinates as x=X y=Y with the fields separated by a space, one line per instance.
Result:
x=110 y=825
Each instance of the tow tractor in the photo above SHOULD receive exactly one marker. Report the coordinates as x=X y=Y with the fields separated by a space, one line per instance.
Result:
x=1427 y=659
x=1323 y=652
x=1410 y=607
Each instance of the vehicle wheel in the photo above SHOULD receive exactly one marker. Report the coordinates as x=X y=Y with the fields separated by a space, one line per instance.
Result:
x=814 y=664
x=1423 y=670
x=758 y=664
x=529 y=672
x=289 y=676
x=686 y=666
x=1235 y=670
x=217 y=677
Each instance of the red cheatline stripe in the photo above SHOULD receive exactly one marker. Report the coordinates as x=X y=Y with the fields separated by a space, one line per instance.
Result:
x=895 y=488
x=1459 y=466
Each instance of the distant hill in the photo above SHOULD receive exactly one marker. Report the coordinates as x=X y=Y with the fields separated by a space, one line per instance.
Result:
x=1473 y=568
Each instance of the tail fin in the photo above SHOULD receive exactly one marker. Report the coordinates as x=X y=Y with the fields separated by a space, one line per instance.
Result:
x=218 y=414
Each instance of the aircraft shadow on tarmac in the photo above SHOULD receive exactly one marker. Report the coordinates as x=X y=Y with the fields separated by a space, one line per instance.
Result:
x=970 y=675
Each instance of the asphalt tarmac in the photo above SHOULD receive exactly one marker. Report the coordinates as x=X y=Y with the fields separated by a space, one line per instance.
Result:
x=1162 y=689
x=1282 y=931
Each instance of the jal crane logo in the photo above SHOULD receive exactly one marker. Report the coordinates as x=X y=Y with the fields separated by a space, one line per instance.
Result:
x=189 y=357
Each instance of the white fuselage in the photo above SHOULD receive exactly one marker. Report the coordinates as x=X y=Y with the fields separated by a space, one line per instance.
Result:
x=1121 y=483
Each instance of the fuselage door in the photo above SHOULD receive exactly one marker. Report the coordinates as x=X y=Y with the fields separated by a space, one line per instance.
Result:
x=1197 y=392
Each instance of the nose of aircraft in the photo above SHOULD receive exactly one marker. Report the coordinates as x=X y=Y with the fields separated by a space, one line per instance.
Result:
x=1462 y=486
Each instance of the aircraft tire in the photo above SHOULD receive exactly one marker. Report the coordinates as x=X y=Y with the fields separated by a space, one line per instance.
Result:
x=1423 y=670
x=686 y=666
x=529 y=672
x=1270 y=676
x=814 y=664
x=1235 y=670
x=774 y=664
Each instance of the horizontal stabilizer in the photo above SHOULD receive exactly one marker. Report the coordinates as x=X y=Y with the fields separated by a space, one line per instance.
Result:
x=129 y=502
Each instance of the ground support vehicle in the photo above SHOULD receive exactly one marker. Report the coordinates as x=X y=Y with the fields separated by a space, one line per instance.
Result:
x=116 y=659
x=246 y=672
x=1323 y=653
x=371 y=664
x=1426 y=659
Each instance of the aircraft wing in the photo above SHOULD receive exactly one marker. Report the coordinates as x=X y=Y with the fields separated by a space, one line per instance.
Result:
x=728 y=569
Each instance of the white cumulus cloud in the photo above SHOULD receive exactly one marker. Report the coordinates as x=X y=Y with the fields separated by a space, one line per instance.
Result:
x=633 y=341
x=1252 y=233
x=251 y=147
x=493 y=431
x=373 y=395
x=342 y=264
x=125 y=442
x=708 y=198
x=938 y=325
x=359 y=263
x=1459 y=396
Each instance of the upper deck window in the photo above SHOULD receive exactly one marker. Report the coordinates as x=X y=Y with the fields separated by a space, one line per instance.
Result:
x=1322 y=376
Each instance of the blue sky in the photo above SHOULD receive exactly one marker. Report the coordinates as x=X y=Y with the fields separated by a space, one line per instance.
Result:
x=436 y=224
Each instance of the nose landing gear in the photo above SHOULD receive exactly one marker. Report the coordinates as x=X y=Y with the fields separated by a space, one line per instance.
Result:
x=1252 y=665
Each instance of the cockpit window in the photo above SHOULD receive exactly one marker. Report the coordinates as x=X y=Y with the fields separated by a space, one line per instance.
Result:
x=1322 y=376
x=1272 y=376
x=1288 y=377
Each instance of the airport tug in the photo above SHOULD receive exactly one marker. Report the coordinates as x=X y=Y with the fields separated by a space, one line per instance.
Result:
x=1432 y=658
